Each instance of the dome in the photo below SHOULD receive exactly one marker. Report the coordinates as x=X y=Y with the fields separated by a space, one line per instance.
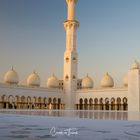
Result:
x=52 y=82
x=125 y=80
x=107 y=81
x=87 y=82
x=135 y=65
x=33 y=79
x=11 y=77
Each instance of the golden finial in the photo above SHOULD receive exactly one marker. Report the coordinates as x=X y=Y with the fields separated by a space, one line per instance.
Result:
x=71 y=1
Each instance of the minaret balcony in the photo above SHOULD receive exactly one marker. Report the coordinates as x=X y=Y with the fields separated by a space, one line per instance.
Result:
x=71 y=23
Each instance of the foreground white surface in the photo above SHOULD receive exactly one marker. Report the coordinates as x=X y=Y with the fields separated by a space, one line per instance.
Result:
x=28 y=127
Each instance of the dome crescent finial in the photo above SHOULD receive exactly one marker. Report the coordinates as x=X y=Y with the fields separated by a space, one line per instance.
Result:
x=12 y=68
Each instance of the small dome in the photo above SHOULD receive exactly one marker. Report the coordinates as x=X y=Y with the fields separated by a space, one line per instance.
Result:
x=125 y=80
x=87 y=82
x=107 y=81
x=33 y=79
x=135 y=65
x=52 y=82
x=11 y=77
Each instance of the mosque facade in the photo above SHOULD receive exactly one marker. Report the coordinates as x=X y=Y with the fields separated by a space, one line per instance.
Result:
x=71 y=92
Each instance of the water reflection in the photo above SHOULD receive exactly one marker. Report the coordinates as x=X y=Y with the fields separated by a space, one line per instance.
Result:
x=96 y=114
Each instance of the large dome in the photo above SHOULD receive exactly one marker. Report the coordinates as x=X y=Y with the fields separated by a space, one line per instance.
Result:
x=87 y=82
x=125 y=80
x=11 y=77
x=107 y=81
x=33 y=79
x=52 y=82
x=135 y=65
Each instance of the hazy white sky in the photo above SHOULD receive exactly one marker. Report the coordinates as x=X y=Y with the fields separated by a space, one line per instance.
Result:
x=32 y=37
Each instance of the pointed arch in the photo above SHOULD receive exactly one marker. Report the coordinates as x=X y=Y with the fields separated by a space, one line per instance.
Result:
x=17 y=102
x=54 y=103
x=90 y=103
x=80 y=103
x=106 y=103
x=11 y=102
x=4 y=98
x=59 y=103
x=85 y=103
x=112 y=100
x=34 y=102
x=101 y=104
x=96 y=104
x=50 y=103
x=22 y=102
x=125 y=104
x=4 y=101
x=29 y=102
x=39 y=102
x=45 y=102
x=118 y=101
x=29 y=99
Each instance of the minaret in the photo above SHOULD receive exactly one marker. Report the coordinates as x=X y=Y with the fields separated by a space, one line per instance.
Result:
x=70 y=57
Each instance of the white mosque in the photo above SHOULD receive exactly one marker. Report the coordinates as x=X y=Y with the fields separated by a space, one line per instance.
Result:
x=71 y=92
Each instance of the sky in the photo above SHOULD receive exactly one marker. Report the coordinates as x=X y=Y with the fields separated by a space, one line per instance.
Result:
x=32 y=37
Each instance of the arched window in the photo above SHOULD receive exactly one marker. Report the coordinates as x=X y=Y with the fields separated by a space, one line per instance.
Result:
x=74 y=77
x=74 y=60
x=67 y=59
x=66 y=77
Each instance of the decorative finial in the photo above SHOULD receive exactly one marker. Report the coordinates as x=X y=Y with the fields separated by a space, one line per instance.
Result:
x=34 y=71
x=106 y=73
x=71 y=1
x=12 y=68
